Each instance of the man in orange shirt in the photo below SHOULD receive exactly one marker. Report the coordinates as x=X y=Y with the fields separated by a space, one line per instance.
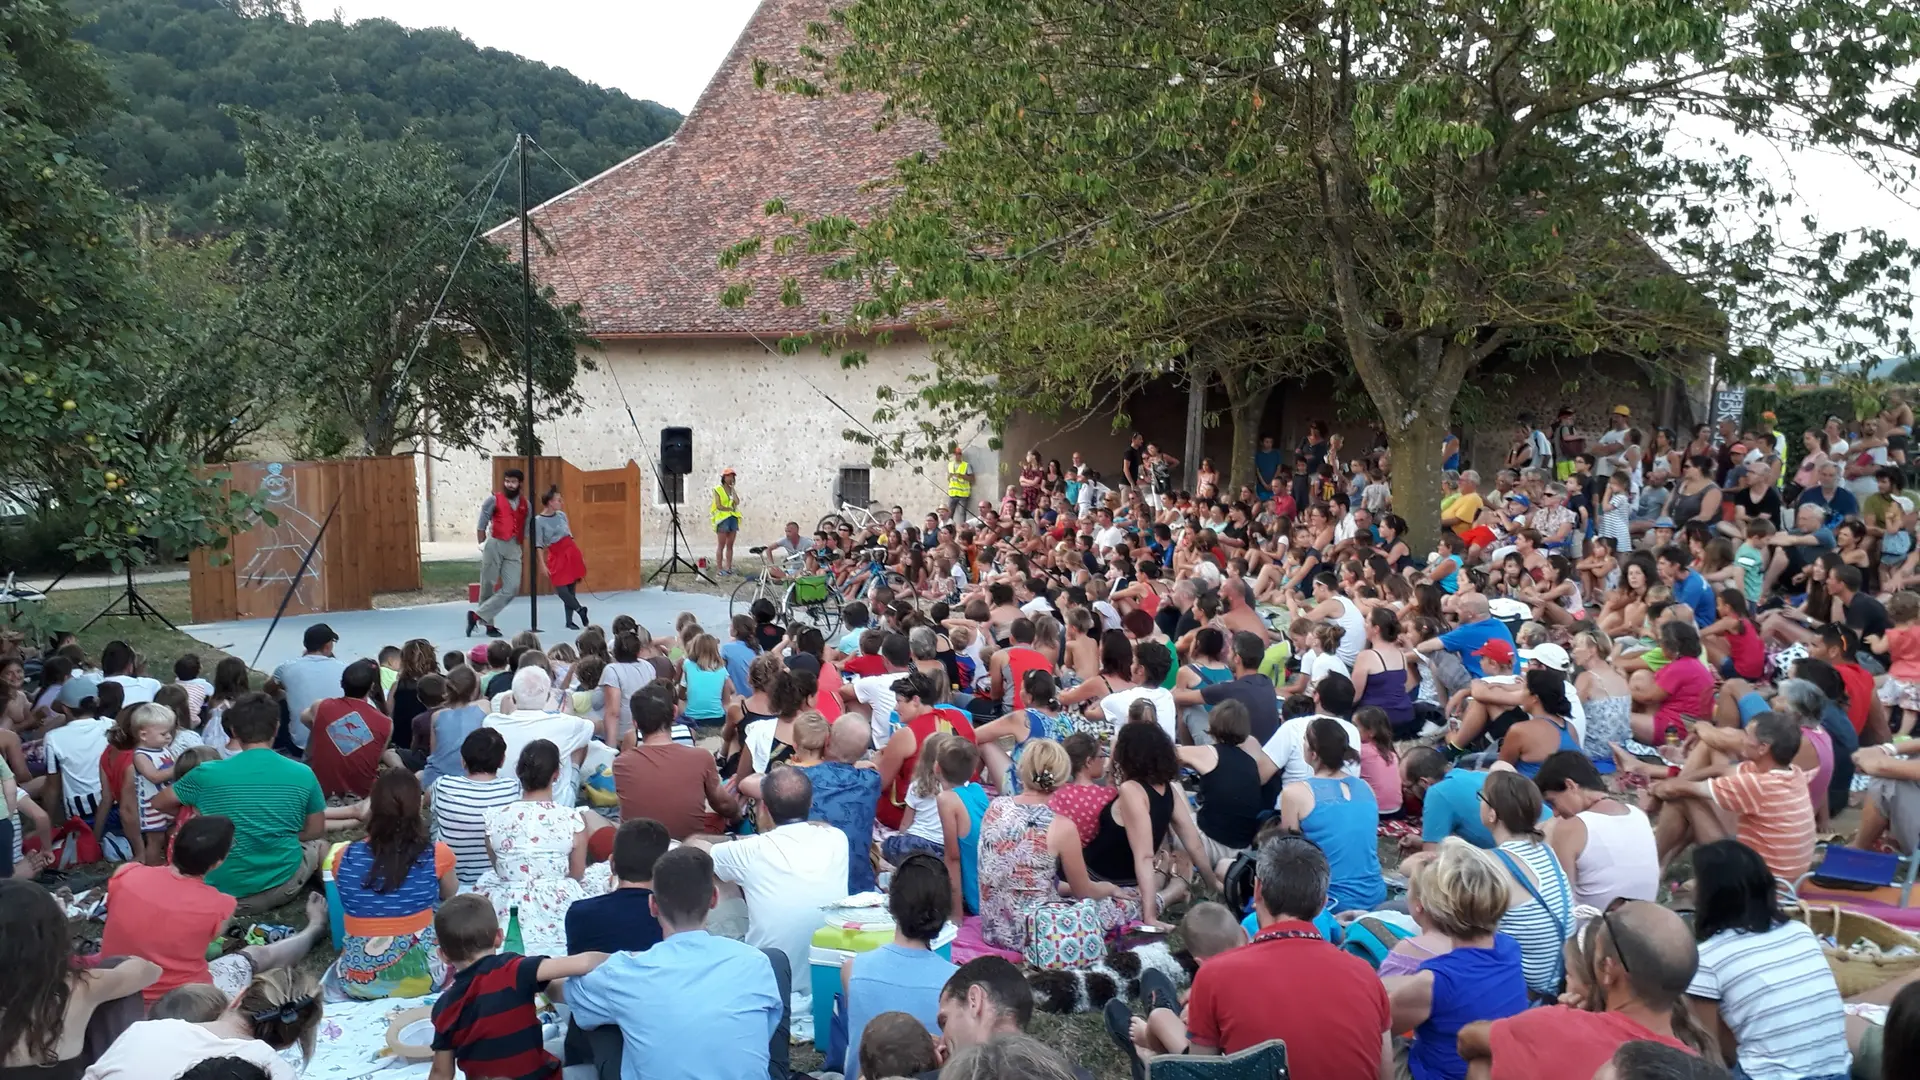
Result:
x=1763 y=803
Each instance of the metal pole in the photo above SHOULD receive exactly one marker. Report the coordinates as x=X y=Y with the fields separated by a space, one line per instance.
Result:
x=526 y=350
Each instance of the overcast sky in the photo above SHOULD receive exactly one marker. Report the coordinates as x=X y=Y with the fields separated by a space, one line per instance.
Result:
x=665 y=50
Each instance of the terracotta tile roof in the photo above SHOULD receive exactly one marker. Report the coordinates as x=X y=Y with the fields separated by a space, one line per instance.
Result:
x=638 y=246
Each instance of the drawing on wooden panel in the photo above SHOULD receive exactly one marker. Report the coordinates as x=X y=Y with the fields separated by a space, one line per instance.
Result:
x=283 y=546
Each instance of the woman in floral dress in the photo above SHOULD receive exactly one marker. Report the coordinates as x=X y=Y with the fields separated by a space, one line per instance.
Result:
x=1033 y=483
x=1021 y=838
x=539 y=856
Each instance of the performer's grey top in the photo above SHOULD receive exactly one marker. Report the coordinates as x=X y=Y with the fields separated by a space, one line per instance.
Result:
x=486 y=509
x=550 y=527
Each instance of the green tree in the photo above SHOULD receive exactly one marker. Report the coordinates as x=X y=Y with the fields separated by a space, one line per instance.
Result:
x=1424 y=188
x=77 y=323
x=394 y=318
x=214 y=382
x=176 y=64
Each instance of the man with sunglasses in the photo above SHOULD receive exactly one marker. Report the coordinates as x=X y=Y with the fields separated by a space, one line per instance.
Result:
x=1627 y=969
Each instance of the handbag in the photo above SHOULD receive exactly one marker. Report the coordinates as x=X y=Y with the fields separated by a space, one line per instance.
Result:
x=1063 y=935
x=1560 y=924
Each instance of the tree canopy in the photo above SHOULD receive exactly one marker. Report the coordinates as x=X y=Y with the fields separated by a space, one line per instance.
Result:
x=1136 y=187
x=364 y=268
x=81 y=330
x=176 y=63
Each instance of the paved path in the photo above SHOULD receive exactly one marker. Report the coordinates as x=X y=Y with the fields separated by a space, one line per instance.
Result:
x=363 y=633
x=431 y=551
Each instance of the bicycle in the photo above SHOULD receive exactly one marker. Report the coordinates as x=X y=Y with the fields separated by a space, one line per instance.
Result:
x=878 y=573
x=805 y=598
x=856 y=516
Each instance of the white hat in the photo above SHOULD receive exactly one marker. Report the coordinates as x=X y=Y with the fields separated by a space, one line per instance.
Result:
x=1753 y=456
x=1551 y=655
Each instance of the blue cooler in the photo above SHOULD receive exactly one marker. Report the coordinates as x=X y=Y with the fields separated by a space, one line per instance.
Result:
x=850 y=931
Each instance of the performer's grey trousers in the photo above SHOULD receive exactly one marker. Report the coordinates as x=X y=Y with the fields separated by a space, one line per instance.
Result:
x=499 y=563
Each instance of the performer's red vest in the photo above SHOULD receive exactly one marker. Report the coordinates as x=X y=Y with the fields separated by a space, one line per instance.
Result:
x=508 y=523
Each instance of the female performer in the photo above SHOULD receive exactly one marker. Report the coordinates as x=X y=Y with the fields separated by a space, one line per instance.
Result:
x=565 y=565
x=725 y=511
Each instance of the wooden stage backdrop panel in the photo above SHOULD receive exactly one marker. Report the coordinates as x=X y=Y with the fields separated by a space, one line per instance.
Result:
x=371 y=545
x=603 y=507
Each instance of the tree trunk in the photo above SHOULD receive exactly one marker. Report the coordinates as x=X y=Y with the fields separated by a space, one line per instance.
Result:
x=1247 y=406
x=1414 y=448
x=1196 y=430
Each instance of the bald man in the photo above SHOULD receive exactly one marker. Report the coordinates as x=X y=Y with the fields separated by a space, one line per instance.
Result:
x=1477 y=627
x=1238 y=612
x=845 y=794
x=1634 y=966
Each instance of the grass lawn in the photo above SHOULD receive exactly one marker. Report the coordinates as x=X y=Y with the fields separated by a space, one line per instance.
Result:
x=67 y=609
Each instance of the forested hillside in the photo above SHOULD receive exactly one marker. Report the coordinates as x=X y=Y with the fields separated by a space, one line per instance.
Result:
x=175 y=63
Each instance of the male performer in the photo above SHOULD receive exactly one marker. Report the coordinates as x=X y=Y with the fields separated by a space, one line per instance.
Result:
x=725 y=511
x=503 y=518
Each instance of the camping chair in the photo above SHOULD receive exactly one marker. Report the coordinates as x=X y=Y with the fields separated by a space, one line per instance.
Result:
x=1851 y=868
x=1267 y=1061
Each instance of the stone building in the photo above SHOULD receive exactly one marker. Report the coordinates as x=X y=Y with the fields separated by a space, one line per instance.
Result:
x=638 y=248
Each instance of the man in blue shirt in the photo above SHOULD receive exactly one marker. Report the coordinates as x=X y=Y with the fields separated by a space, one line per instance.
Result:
x=1450 y=798
x=1476 y=628
x=616 y=922
x=694 y=1006
x=1837 y=502
x=1266 y=463
x=1688 y=586
x=845 y=796
x=1794 y=549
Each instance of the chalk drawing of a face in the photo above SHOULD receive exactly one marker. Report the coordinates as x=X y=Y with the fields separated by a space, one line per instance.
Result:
x=282 y=545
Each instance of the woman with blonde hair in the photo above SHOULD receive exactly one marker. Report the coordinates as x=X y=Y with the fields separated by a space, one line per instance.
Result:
x=705 y=676
x=1604 y=693
x=1464 y=894
x=1022 y=841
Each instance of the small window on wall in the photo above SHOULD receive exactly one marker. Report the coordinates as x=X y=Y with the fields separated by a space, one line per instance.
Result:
x=856 y=486
x=671 y=488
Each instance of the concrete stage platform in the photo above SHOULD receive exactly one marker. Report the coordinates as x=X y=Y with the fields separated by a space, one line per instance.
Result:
x=363 y=633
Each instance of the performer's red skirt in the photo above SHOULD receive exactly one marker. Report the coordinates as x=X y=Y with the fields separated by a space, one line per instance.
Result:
x=565 y=565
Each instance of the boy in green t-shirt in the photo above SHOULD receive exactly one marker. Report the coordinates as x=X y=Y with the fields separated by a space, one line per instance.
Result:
x=1751 y=558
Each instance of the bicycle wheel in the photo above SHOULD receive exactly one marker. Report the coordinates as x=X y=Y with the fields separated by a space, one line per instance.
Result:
x=822 y=614
x=830 y=524
x=744 y=594
x=897 y=583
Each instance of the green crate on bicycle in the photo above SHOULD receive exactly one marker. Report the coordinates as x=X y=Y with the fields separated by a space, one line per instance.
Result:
x=810 y=589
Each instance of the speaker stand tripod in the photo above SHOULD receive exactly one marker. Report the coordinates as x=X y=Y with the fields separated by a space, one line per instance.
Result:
x=136 y=606
x=677 y=563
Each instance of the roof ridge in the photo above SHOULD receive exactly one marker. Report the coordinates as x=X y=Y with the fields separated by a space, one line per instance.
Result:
x=638 y=244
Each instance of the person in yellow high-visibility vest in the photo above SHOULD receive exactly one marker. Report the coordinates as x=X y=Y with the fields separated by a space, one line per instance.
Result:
x=959 y=484
x=725 y=511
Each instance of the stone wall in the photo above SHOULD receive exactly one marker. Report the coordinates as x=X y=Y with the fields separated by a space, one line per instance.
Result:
x=771 y=418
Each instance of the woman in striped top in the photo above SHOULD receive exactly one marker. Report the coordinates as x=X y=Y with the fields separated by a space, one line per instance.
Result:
x=1763 y=984
x=460 y=803
x=1540 y=913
